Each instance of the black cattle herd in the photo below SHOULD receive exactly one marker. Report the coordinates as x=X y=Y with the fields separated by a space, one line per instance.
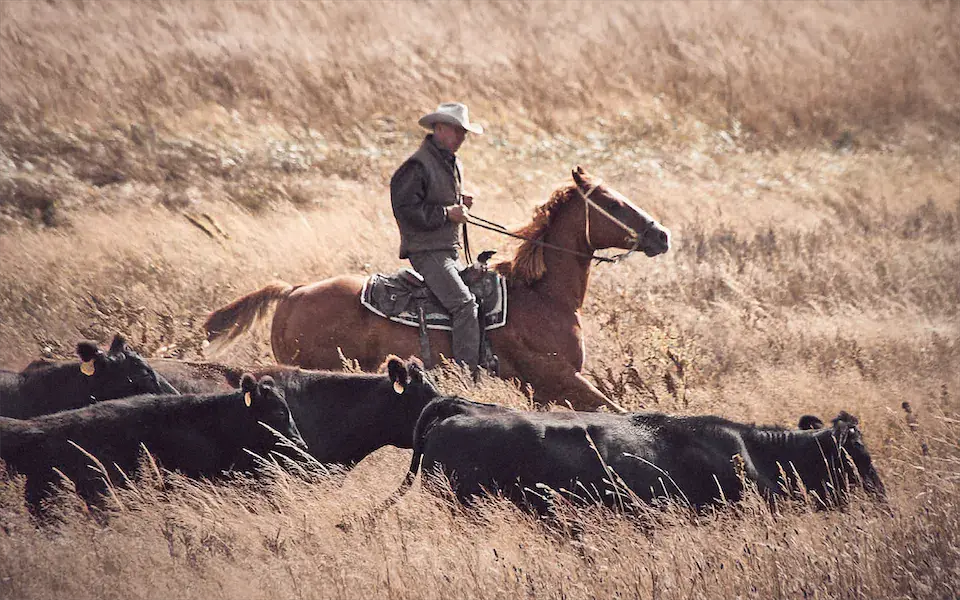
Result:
x=89 y=421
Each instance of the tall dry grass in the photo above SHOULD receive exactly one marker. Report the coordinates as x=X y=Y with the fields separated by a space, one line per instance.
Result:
x=778 y=69
x=158 y=159
x=284 y=539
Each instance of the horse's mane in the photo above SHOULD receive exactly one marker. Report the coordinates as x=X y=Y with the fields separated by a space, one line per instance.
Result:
x=527 y=265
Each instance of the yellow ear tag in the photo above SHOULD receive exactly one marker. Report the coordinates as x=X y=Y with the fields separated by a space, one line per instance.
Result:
x=86 y=367
x=398 y=387
x=247 y=400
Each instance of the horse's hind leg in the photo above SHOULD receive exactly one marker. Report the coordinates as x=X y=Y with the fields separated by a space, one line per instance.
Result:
x=583 y=395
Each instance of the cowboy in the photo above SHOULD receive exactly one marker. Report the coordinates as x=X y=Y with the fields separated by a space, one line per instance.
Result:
x=429 y=207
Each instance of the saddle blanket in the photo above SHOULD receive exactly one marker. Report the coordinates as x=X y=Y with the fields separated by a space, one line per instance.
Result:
x=398 y=296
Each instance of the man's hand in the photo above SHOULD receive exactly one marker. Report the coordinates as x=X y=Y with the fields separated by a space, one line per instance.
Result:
x=467 y=200
x=458 y=213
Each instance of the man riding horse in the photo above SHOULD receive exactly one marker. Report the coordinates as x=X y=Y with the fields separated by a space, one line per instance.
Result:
x=429 y=206
x=364 y=318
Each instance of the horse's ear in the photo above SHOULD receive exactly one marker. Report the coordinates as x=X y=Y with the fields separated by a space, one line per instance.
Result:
x=578 y=173
x=581 y=177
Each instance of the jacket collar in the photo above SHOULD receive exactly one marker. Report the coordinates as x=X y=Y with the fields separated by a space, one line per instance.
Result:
x=438 y=149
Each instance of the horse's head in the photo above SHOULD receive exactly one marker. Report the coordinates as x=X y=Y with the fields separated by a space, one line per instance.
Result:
x=615 y=222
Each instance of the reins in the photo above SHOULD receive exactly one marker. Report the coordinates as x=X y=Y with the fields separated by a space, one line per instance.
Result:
x=498 y=228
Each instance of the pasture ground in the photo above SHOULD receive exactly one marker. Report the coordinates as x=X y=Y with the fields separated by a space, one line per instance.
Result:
x=158 y=160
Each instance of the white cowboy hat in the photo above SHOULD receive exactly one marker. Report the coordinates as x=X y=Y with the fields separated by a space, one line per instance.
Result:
x=453 y=113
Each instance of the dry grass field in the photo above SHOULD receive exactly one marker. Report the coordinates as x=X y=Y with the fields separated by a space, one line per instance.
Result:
x=160 y=158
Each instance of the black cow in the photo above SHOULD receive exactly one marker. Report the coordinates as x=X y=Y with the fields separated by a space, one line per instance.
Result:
x=483 y=447
x=198 y=377
x=199 y=435
x=343 y=416
x=46 y=387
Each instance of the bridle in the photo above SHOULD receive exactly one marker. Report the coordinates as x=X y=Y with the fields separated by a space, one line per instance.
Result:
x=587 y=203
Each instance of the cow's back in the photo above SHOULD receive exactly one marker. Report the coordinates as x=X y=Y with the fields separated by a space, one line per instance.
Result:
x=485 y=448
x=514 y=451
x=683 y=457
x=41 y=388
x=344 y=417
x=112 y=431
x=9 y=393
x=47 y=386
x=190 y=377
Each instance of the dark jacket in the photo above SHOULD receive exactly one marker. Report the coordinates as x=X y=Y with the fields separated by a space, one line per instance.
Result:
x=420 y=189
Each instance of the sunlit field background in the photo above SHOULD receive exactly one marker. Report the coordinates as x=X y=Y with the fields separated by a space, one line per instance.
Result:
x=159 y=159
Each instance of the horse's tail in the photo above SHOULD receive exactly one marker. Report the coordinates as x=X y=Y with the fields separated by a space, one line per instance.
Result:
x=226 y=324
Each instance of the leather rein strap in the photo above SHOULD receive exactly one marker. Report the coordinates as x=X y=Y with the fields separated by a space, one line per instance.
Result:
x=498 y=228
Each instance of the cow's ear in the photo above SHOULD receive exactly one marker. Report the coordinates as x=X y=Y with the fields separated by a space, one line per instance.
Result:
x=810 y=422
x=118 y=345
x=267 y=385
x=847 y=418
x=233 y=376
x=841 y=430
x=269 y=393
x=88 y=352
x=415 y=369
x=398 y=374
x=248 y=385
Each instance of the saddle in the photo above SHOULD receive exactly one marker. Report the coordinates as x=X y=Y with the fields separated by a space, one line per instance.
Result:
x=404 y=298
x=400 y=296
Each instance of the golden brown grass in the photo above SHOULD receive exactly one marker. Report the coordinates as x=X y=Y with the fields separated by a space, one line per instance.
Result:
x=158 y=159
x=796 y=69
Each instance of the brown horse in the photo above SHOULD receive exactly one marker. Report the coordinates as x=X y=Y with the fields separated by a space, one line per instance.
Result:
x=542 y=342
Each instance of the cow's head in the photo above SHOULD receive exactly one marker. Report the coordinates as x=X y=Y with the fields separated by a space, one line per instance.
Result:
x=117 y=373
x=854 y=455
x=412 y=387
x=265 y=404
x=409 y=379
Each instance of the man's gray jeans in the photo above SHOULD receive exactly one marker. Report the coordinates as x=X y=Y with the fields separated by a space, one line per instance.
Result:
x=441 y=272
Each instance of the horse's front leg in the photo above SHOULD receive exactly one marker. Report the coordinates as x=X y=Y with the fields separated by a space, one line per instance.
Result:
x=583 y=395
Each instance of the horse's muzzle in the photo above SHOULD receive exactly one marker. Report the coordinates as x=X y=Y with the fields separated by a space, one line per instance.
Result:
x=655 y=241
